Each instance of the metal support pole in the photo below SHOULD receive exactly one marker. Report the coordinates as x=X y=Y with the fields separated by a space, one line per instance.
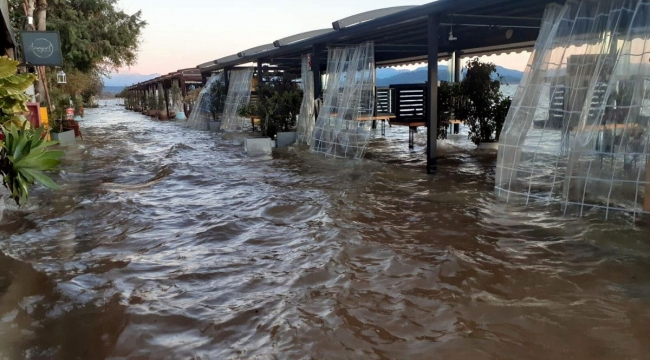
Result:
x=646 y=206
x=315 y=68
x=166 y=93
x=458 y=66
x=181 y=83
x=226 y=78
x=412 y=130
x=432 y=121
x=259 y=72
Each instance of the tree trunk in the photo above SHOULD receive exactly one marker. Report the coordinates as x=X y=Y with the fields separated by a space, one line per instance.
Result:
x=41 y=15
x=29 y=6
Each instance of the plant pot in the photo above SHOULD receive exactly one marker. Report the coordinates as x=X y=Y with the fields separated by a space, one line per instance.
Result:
x=180 y=115
x=72 y=125
x=214 y=125
x=162 y=115
x=489 y=146
x=259 y=146
x=153 y=113
x=285 y=139
x=65 y=138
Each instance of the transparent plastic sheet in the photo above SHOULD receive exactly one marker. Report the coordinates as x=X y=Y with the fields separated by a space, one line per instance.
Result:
x=201 y=114
x=340 y=129
x=239 y=94
x=577 y=130
x=306 y=119
x=176 y=100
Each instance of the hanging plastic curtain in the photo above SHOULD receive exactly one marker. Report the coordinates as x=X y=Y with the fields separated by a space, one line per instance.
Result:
x=578 y=128
x=343 y=128
x=201 y=114
x=306 y=119
x=239 y=94
x=176 y=99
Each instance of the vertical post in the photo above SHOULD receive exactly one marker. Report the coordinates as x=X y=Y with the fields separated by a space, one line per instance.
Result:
x=432 y=123
x=646 y=206
x=166 y=93
x=458 y=66
x=204 y=79
x=226 y=78
x=259 y=71
x=315 y=68
x=181 y=83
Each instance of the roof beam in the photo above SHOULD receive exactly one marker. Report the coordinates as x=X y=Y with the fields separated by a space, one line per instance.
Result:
x=366 y=16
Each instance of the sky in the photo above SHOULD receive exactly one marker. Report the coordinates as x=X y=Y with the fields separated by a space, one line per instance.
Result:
x=185 y=33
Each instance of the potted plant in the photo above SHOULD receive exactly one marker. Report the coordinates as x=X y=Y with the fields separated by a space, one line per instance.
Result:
x=143 y=104
x=217 y=93
x=277 y=107
x=485 y=108
x=58 y=131
x=152 y=106
x=160 y=105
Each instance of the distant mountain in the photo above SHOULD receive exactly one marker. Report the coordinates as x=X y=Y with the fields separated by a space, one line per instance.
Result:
x=127 y=79
x=113 y=89
x=420 y=75
x=388 y=72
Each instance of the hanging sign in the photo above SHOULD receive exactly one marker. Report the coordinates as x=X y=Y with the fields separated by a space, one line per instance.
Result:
x=41 y=48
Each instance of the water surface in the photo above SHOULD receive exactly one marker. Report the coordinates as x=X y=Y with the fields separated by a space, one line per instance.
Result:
x=167 y=242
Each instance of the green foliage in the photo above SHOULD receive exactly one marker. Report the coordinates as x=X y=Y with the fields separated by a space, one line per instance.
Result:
x=484 y=107
x=152 y=103
x=176 y=96
x=12 y=91
x=192 y=96
x=24 y=155
x=160 y=105
x=218 y=93
x=278 y=104
x=447 y=95
x=95 y=34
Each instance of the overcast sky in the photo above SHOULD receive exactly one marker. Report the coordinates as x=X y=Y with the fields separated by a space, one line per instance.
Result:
x=185 y=33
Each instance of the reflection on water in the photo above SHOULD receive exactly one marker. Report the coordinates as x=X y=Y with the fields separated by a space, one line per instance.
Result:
x=167 y=242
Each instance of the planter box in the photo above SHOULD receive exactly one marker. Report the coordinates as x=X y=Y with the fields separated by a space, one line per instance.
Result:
x=214 y=125
x=65 y=138
x=285 y=139
x=259 y=146
x=489 y=146
x=180 y=115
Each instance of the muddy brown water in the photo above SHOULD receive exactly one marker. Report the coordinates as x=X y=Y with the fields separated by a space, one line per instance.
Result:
x=170 y=243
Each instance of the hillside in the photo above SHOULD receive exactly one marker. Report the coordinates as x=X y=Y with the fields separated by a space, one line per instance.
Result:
x=420 y=75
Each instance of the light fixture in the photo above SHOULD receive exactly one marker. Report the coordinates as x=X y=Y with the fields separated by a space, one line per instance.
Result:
x=509 y=33
x=451 y=32
x=61 y=77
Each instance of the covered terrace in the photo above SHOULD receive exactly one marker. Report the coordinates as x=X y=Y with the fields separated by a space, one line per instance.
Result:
x=438 y=31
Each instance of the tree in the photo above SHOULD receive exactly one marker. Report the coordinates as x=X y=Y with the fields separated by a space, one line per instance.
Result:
x=218 y=93
x=484 y=105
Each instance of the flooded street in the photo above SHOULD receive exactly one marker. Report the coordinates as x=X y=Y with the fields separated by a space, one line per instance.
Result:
x=170 y=243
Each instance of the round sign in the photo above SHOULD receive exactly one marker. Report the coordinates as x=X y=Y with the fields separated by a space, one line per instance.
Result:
x=41 y=48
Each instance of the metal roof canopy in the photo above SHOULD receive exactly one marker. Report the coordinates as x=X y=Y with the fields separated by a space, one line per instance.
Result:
x=482 y=27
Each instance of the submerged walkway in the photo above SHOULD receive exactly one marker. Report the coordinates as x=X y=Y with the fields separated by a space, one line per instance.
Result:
x=170 y=242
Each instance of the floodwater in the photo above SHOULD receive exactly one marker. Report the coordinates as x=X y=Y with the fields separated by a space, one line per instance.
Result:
x=170 y=243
